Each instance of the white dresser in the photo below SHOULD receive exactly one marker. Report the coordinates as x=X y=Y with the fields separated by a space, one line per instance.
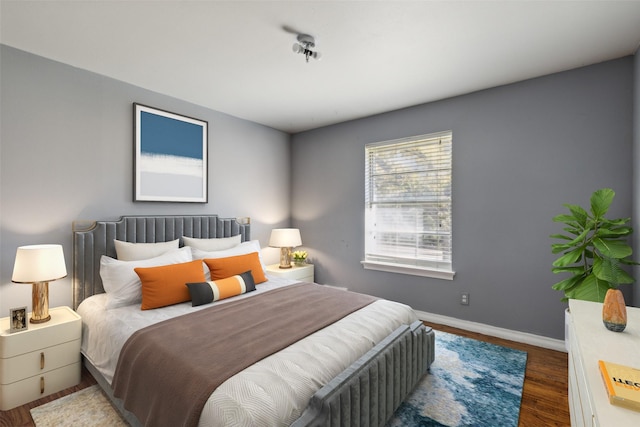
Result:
x=41 y=360
x=590 y=341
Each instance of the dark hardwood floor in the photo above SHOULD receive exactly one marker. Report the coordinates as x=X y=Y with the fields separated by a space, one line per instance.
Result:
x=544 y=400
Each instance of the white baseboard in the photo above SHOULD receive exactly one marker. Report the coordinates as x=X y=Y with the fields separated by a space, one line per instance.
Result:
x=494 y=331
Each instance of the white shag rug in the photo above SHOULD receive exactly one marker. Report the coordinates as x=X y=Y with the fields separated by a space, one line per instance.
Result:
x=88 y=407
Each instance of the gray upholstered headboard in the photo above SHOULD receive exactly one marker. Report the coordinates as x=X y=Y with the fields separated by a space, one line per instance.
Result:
x=94 y=239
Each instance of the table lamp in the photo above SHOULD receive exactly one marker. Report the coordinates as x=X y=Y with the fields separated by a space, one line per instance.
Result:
x=39 y=264
x=285 y=239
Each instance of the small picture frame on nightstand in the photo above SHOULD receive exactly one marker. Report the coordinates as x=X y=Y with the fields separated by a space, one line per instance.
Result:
x=18 y=319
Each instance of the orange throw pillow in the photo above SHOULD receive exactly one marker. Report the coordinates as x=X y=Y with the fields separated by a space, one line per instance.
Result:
x=165 y=285
x=221 y=268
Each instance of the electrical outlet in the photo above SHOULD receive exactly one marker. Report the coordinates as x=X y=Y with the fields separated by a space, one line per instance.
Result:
x=464 y=298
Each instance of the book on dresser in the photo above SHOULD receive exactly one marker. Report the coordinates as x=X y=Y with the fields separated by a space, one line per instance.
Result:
x=622 y=383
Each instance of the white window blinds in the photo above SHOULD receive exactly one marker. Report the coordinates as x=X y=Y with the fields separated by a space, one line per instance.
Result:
x=408 y=203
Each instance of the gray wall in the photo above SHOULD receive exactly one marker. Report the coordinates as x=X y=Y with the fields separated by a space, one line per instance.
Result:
x=519 y=152
x=66 y=154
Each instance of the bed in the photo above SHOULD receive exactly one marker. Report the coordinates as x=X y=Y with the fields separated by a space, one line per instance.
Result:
x=355 y=371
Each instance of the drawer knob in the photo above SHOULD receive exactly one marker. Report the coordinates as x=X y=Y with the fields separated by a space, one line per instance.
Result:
x=42 y=360
x=41 y=385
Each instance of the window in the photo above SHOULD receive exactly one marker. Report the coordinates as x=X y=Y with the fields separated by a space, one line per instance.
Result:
x=408 y=206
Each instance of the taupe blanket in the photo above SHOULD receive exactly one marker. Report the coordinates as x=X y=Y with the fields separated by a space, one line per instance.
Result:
x=167 y=371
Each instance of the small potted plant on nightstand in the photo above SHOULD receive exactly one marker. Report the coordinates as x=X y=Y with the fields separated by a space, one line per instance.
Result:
x=593 y=251
x=299 y=257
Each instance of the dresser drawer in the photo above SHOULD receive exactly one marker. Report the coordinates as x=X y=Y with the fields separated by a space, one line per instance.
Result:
x=36 y=362
x=30 y=389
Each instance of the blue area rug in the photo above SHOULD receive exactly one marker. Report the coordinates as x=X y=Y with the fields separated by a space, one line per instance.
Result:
x=471 y=383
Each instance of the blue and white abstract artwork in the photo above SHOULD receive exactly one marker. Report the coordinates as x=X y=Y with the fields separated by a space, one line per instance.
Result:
x=171 y=157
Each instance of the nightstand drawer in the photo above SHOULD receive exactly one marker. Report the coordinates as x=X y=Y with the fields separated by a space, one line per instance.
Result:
x=303 y=273
x=38 y=386
x=26 y=365
x=65 y=325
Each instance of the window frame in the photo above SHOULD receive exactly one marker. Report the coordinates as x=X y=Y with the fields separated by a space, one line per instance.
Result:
x=437 y=270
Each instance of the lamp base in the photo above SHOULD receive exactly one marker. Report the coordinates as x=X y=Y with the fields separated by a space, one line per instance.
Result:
x=285 y=258
x=40 y=303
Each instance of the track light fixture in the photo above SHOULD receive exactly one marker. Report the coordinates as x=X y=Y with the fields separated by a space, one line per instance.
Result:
x=304 y=46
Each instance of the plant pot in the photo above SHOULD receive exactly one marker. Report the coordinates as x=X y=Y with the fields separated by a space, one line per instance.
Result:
x=299 y=262
x=614 y=311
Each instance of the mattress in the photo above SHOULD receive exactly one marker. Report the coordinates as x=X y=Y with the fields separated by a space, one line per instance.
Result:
x=274 y=391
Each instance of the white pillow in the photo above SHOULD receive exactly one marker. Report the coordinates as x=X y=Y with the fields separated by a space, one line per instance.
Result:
x=127 y=251
x=217 y=244
x=122 y=284
x=241 y=249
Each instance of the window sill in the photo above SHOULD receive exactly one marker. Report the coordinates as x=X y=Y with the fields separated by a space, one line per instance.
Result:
x=403 y=269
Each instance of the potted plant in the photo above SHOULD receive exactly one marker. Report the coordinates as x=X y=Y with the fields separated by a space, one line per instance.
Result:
x=593 y=251
x=299 y=257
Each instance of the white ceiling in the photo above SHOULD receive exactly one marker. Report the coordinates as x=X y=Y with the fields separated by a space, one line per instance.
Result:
x=377 y=56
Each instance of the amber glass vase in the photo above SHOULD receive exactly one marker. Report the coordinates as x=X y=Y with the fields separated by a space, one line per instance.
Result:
x=614 y=311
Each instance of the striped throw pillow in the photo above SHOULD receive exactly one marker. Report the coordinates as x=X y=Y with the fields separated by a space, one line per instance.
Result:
x=208 y=292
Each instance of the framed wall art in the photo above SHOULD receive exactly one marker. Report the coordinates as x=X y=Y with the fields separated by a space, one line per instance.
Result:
x=170 y=157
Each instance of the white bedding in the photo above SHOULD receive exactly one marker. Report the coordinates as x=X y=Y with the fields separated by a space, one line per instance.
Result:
x=275 y=390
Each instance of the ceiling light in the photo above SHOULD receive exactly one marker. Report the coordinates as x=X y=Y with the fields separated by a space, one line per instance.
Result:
x=304 y=46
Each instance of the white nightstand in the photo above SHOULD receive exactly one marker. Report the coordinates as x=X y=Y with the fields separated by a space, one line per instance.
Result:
x=41 y=360
x=303 y=273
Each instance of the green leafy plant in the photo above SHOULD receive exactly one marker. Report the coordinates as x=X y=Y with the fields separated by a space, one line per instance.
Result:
x=299 y=255
x=594 y=250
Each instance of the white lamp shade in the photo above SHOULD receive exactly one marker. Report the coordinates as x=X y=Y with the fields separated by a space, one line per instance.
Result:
x=39 y=263
x=285 y=238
